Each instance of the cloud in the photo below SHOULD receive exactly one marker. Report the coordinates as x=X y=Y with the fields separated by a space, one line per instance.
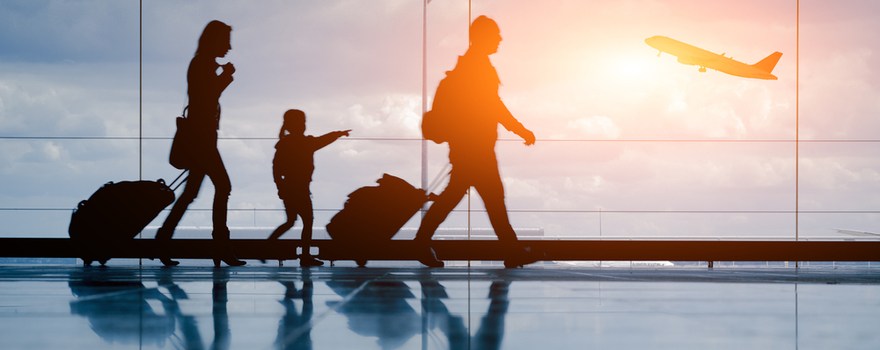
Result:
x=68 y=99
x=598 y=126
x=61 y=31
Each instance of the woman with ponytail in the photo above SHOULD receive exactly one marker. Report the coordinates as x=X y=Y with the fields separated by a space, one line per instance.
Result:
x=204 y=89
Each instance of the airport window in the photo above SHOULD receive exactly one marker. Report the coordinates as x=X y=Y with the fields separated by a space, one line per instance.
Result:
x=629 y=145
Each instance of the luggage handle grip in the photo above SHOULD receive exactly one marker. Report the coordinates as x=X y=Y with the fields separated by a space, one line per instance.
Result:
x=174 y=187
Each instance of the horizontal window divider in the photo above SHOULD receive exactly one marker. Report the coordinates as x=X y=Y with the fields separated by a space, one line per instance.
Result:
x=574 y=211
x=559 y=250
x=272 y=138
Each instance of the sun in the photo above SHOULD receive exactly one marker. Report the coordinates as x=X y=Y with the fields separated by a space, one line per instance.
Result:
x=626 y=69
x=629 y=67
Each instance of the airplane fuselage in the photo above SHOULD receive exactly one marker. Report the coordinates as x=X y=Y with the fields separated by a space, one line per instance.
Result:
x=692 y=55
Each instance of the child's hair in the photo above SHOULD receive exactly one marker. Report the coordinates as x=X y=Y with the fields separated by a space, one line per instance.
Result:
x=292 y=117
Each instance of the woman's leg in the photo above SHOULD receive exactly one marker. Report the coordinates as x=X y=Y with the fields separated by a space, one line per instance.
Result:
x=222 y=188
x=216 y=171
x=190 y=191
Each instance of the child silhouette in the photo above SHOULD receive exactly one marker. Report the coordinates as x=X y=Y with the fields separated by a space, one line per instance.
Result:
x=292 y=169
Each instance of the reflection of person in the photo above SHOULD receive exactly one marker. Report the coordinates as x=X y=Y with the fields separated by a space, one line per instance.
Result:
x=477 y=112
x=379 y=309
x=205 y=88
x=189 y=327
x=491 y=331
x=292 y=169
x=294 y=331
x=222 y=334
x=119 y=311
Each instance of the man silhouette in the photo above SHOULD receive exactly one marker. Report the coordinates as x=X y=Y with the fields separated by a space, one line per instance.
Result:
x=475 y=110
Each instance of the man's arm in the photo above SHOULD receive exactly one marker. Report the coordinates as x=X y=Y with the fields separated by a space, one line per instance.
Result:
x=510 y=123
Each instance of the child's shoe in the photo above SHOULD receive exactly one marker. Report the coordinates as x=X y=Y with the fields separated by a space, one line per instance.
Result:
x=309 y=261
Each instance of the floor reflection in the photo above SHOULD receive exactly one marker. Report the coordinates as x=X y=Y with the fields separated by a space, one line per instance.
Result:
x=377 y=309
x=394 y=308
x=294 y=329
x=118 y=310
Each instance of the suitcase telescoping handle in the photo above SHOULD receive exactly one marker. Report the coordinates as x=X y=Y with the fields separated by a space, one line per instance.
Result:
x=175 y=184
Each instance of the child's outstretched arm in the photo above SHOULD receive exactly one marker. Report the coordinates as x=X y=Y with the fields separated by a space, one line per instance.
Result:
x=328 y=138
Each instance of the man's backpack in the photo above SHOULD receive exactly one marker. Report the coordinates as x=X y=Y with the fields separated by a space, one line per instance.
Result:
x=438 y=123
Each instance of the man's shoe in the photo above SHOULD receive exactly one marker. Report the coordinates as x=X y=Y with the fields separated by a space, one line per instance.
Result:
x=522 y=257
x=230 y=260
x=429 y=258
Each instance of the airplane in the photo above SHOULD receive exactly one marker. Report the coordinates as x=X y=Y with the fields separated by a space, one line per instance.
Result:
x=692 y=55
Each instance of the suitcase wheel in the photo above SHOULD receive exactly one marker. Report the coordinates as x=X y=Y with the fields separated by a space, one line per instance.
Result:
x=87 y=262
x=361 y=262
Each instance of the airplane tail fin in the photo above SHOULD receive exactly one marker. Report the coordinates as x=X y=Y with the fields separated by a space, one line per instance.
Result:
x=769 y=62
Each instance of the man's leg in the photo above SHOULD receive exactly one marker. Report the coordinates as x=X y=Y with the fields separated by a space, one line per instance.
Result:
x=491 y=190
x=437 y=213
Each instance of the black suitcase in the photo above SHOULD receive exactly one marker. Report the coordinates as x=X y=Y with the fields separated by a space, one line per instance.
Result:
x=374 y=214
x=116 y=212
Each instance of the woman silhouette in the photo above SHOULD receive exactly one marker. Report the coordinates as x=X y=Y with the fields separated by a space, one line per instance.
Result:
x=204 y=89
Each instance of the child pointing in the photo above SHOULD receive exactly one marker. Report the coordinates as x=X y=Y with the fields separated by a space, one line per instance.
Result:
x=292 y=169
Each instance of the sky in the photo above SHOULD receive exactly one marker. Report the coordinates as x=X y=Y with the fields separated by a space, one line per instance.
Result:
x=620 y=130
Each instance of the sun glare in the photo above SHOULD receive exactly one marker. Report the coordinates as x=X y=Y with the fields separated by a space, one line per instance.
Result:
x=629 y=68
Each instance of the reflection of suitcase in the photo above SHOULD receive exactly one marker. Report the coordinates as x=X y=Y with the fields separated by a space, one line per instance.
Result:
x=374 y=214
x=116 y=212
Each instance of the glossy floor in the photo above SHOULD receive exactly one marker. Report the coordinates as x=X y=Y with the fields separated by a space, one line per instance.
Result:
x=542 y=307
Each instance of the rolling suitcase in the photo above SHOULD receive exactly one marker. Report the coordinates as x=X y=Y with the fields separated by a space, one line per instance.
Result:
x=117 y=212
x=374 y=214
